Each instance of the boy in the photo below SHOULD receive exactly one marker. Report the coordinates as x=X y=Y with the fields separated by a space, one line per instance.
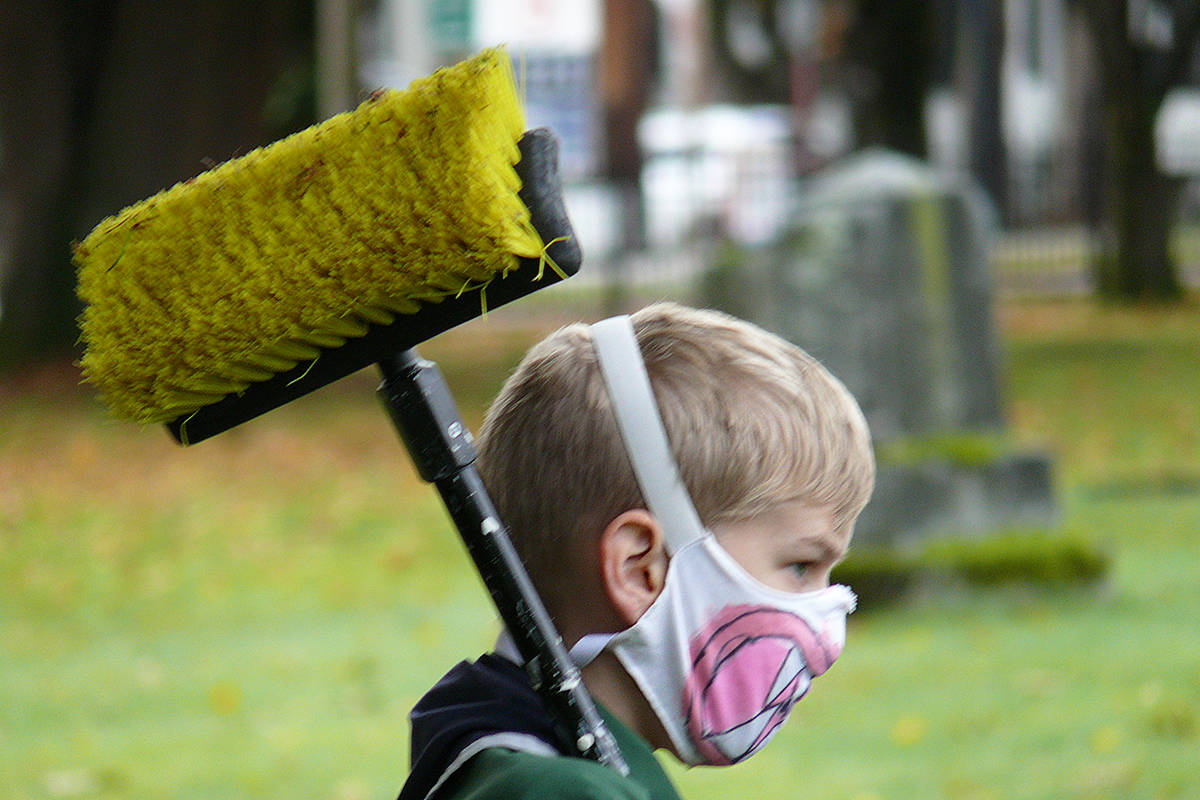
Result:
x=679 y=484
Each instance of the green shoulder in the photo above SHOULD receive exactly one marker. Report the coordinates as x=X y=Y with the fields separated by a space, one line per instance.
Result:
x=511 y=775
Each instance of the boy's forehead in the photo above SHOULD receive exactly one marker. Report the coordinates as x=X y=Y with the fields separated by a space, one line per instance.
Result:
x=798 y=521
x=818 y=527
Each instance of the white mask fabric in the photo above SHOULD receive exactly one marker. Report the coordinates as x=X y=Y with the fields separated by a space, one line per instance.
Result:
x=720 y=657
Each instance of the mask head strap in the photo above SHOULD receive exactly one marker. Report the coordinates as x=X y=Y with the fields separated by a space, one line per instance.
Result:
x=642 y=431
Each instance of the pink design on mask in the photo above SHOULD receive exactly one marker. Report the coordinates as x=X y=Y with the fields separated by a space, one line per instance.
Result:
x=750 y=664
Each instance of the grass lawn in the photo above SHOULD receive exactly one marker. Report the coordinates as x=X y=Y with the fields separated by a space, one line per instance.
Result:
x=255 y=615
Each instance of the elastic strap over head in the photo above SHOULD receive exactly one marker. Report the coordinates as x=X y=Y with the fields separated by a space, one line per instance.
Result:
x=642 y=430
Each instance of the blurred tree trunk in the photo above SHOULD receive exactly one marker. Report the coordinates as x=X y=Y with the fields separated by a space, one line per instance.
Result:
x=1137 y=68
x=889 y=50
x=104 y=102
x=750 y=53
x=48 y=80
x=882 y=52
x=979 y=67
x=1139 y=208
x=628 y=70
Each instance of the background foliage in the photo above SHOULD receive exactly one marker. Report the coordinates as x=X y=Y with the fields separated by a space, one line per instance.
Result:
x=254 y=616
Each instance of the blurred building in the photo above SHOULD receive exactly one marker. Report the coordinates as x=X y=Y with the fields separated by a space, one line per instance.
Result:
x=713 y=163
x=553 y=44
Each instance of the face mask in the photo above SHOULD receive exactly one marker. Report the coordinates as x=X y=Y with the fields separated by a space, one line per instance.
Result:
x=719 y=656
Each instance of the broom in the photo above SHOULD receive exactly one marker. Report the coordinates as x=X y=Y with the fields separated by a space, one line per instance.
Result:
x=341 y=246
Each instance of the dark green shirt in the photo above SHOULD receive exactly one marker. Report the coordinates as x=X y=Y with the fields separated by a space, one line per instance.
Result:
x=498 y=773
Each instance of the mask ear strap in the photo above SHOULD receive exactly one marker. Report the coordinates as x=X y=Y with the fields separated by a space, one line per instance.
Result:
x=641 y=427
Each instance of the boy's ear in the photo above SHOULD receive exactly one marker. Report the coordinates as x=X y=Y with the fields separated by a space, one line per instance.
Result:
x=633 y=563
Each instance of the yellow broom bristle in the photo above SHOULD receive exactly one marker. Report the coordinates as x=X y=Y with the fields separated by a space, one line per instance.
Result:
x=246 y=269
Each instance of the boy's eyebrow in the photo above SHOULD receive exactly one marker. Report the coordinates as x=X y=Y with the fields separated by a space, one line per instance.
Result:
x=831 y=552
x=826 y=550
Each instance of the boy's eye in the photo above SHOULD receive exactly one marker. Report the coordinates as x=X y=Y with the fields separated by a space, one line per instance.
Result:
x=801 y=568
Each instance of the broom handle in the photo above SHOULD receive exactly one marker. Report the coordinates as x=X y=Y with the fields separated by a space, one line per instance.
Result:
x=443 y=450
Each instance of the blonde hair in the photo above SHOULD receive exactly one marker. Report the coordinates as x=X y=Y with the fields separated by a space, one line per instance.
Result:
x=752 y=419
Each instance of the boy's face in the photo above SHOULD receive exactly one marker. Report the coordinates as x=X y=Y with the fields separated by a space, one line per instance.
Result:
x=791 y=547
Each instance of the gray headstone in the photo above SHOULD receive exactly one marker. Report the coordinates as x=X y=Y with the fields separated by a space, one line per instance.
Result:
x=885 y=277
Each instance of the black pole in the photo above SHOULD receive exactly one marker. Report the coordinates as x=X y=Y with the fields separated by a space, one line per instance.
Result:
x=443 y=450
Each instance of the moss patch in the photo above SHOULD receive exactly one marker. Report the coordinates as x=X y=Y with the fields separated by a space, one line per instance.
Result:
x=1047 y=557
